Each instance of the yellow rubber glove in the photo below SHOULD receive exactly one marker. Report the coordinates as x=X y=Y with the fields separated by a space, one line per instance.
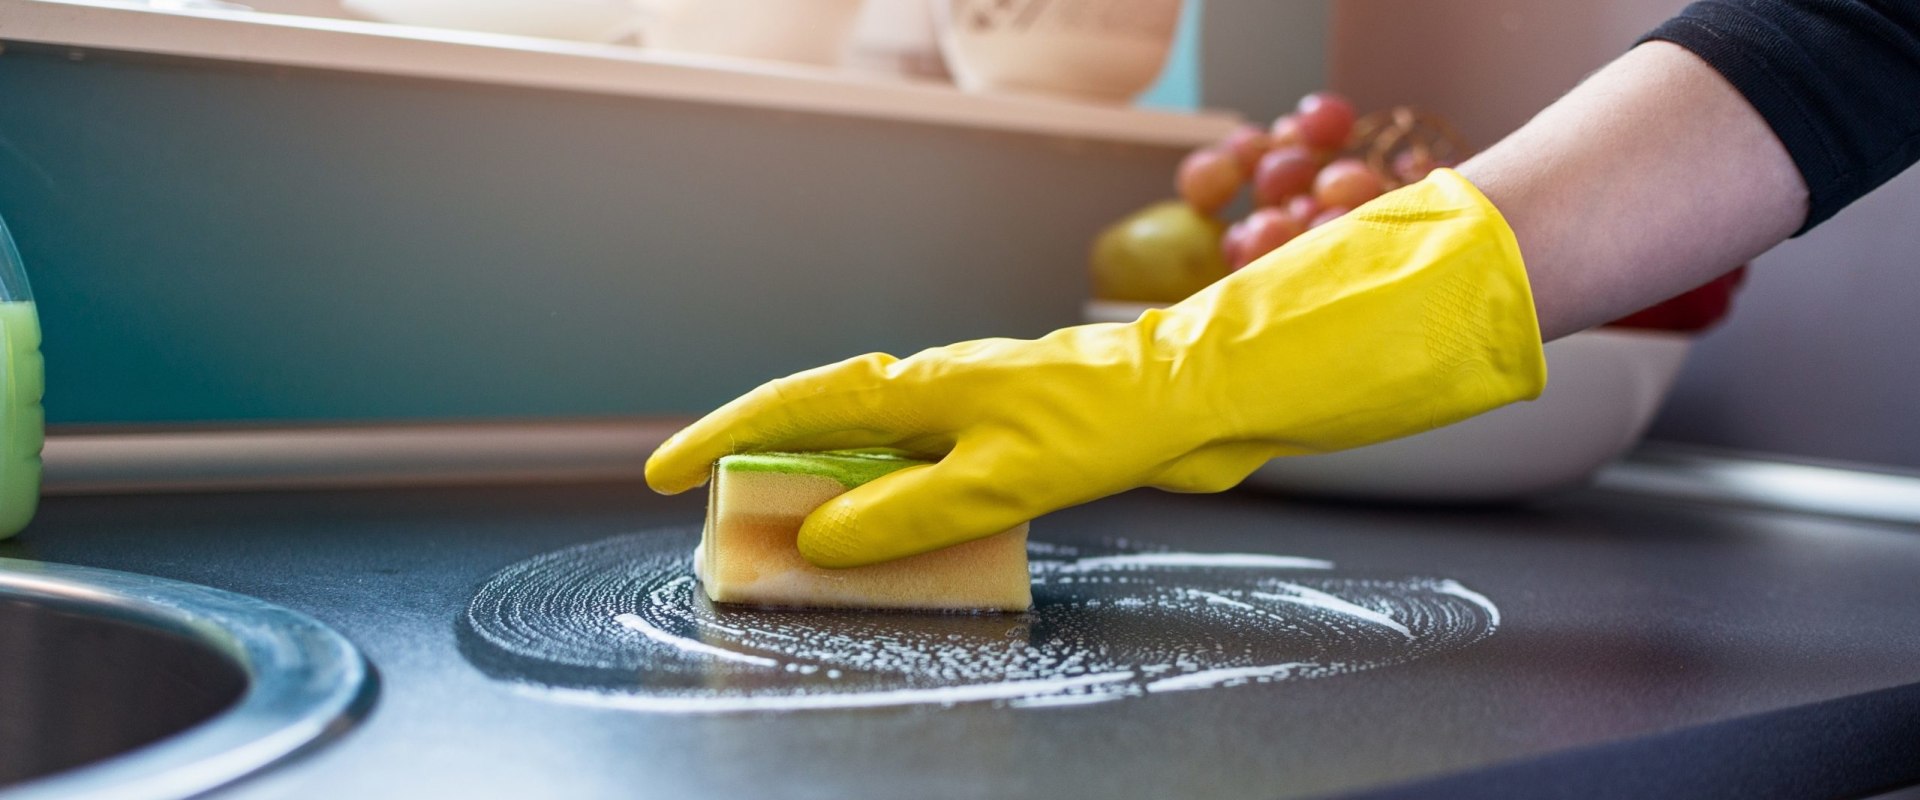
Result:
x=1409 y=313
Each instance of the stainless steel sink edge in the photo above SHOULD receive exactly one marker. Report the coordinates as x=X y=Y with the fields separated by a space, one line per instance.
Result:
x=307 y=684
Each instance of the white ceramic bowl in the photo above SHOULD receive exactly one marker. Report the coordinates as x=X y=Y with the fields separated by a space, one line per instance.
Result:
x=803 y=31
x=1112 y=51
x=1603 y=388
x=583 y=20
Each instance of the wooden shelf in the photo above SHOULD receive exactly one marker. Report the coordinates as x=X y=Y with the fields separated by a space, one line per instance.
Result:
x=371 y=47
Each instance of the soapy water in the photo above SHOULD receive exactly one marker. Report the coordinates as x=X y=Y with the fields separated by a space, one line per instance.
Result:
x=622 y=623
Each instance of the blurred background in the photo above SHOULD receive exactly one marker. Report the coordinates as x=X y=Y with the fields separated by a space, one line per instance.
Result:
x=218 y=241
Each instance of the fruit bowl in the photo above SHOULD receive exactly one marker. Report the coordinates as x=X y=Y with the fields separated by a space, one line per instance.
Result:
x=1603 y=388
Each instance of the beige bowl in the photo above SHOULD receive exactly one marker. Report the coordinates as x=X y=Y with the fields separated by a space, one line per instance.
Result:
x=1603 y=388
x=1110 y=50
x=584 y=20
x=801 y=31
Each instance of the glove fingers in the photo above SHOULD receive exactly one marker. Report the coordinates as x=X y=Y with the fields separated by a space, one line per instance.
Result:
x=838 y=406
x=914 y=511
x=1214 y=469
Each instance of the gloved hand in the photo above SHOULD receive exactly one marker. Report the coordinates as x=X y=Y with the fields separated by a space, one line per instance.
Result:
x=1409 y=313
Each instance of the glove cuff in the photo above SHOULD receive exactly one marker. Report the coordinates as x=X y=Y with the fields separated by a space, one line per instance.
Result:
x=1409 y=313
x=1483 y=322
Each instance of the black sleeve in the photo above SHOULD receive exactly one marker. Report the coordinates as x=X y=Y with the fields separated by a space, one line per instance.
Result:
x=1838 y=81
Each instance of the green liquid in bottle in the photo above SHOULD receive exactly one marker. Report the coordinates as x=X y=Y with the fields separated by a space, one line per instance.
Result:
x=20 y=413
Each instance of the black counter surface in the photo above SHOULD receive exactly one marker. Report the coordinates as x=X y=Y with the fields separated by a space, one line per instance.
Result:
x=1646 y=648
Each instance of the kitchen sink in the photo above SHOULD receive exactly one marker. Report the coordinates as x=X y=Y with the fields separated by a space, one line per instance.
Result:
x=124 y=685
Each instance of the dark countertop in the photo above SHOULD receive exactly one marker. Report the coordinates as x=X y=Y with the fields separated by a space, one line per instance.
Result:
x=1646 y=646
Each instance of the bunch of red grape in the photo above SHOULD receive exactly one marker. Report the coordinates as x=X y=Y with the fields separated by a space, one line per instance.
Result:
x=1305 y=172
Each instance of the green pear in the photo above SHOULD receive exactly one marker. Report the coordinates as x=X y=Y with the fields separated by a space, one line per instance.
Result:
x=1159 y=254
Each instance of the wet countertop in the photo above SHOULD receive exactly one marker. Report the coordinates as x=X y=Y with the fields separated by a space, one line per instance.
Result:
x=1643 y=646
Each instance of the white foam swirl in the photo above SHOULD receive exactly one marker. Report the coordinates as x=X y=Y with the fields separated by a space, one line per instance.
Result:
x=619 y=623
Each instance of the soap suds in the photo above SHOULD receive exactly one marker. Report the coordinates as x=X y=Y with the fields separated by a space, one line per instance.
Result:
x=1208 y=678
x=1216 y=560
x=1454 y=588
x=1314 y=597
x=619 y=623
x=774 y=701
x=688 y=645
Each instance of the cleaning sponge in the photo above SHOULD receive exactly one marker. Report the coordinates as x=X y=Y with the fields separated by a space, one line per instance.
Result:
x=748 y=552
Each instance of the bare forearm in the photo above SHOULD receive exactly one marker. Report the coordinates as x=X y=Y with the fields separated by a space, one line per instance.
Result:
x=1651 y=177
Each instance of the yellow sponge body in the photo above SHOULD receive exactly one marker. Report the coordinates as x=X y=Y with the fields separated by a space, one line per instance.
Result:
x=749 y=555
